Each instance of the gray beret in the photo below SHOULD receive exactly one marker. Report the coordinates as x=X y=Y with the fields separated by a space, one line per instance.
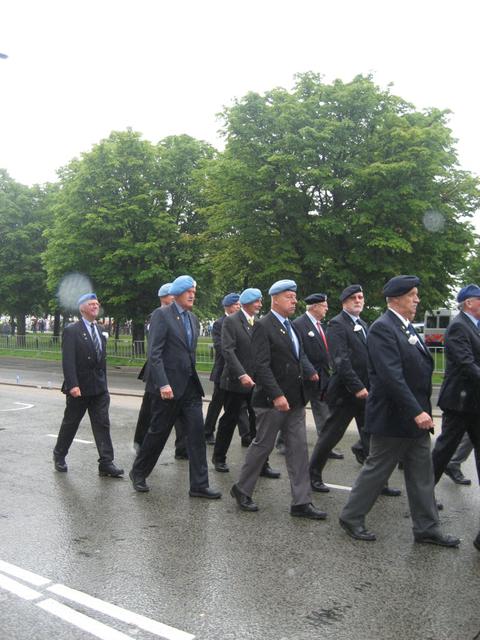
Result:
x=350 y=291
x=316 y=297
x=399 y=285
x=282 y=285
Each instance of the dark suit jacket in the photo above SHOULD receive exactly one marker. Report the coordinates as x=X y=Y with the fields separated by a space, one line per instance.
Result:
x=170 y=360
x=81 y=367
x=348 y=356
x=219 y=361
x=277 y=370
x=237 y=352
x=315 y=351
x=460 y=390
x=400 y=380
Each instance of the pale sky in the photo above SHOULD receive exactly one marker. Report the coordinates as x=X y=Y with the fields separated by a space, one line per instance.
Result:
x=78 y=70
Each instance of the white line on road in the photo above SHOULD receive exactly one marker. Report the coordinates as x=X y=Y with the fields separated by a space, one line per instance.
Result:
x=159 y=629
x=18 y=589
x=23 y=405
x=23 y=574
x=53 y=435
x=81 y=621
x=338 y=486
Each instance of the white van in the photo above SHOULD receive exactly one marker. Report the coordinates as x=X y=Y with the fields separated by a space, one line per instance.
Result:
x=435 y=326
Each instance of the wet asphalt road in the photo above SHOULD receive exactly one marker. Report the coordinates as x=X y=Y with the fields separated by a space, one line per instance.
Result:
x=202 y=567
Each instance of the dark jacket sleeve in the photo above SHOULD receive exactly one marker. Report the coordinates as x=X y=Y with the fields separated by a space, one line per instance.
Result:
x=341 y=358
x=229 y=343
x=263 y=372
x=156 y=341
x=69 y=359
x=458 y=347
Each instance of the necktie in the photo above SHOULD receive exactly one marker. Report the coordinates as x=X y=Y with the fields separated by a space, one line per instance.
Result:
x=412 y=332
x=289 y=329
x=188 y=327
x=362 y=332
x=321 y=332
x=250 y=321
x=96 y=343
x=478 y=324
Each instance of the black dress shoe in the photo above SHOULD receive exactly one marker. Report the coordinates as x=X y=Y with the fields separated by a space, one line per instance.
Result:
x=476 y=542
x=457 y=476
x=307 y=511
x=357 y=531
x=280 y=449
x=139 y=484
x=205 y=492
x=335 y=455
x=439 y=505
x=244 y=502
x=221 y=467
x=268 y=472
x=359 y=455
x=110 y=470
x=181 y=455
x=319 y=486
x=441 y=539
x=389 y=491
x=60 y=464
x=210 y=439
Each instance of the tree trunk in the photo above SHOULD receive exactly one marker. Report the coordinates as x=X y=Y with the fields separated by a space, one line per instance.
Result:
x=21 y=330
x=56 y=323
x=138 y=337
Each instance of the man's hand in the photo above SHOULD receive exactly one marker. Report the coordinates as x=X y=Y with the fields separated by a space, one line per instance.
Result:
x=166 y=393
x=362 y=394
x=281 y=404
x=75 y=392
x=314 y=377
x=424 y=421
x=247 y=381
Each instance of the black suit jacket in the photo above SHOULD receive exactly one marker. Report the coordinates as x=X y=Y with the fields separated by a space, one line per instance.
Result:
x=400 y=379
x=219 y=361
x=460 y=390
x=315 y=351
x=237 y=352
x=81 y=367
x=170 y=360
x=278 y=372
x=348 y=356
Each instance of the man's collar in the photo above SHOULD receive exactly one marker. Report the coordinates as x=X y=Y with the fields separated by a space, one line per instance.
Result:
x=472 y=318
x=278 y=316
x=179 y=308
x=354 y=318
x=404 y=320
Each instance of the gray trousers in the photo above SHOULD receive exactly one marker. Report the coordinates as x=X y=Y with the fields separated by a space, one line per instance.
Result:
x=385 y=453
x=462 y=452
x=320 y=412
x=292 y=426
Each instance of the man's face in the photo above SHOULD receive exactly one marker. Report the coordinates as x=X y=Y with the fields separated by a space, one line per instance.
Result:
x=319 y=310
x=186 y=299
x=472 y=306
x=285 y=303
x=354 y=304
x=166 y=300
x=253 y=308
x=232 y=308
x=407 y=304
x=90 y=310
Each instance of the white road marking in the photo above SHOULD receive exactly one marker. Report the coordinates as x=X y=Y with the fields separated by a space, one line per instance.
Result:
x=338 y=486
x=26 y=576
x=159 y=629
x=53 y=435
x=82 y=621
x=18 y=589
x=23 y=405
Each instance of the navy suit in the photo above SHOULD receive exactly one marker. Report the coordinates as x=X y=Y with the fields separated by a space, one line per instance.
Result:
x=459 y=396
x=400 y=373
x=171 y=361
x=84 y=369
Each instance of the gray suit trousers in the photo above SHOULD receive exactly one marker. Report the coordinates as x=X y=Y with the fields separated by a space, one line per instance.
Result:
x=292 y=425
x=384 y=456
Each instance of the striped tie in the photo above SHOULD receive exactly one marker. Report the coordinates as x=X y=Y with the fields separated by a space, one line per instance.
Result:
x=96 y=343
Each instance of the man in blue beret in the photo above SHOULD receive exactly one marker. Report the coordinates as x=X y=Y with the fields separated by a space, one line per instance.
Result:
x=85 y=386
x=172 y=379
x=279 y=401
x=237 y=379
x=459 y=396
x=399 y=419
x=230 y=304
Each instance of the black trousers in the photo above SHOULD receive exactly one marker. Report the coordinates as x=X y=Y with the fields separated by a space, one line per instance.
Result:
x=214 y=408
x=97 y=407
x=143 y=423
x=164 y=414
x=232 y=407
x=454 y=425
x=333 y=431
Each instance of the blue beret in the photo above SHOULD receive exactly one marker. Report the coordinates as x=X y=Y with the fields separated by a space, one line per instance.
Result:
x=230 y=298
x=86 y=297
x=351 y=290
x=314 y=298
x=181 y=284
x=282 y=285
x=250 y=295
x=164 y=290
x=470 y=291
x=399 y=285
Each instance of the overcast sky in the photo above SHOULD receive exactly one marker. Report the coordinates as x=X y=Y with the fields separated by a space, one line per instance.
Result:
x=78 y=70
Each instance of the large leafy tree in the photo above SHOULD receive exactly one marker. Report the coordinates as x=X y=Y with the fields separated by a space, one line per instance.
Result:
x=339 y=183
x=23 y=219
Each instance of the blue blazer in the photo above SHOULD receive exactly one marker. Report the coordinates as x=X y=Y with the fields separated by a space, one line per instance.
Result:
x=400 y=379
